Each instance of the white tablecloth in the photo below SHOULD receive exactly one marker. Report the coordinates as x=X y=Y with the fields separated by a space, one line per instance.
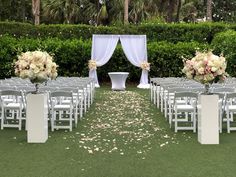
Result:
x=118 y=80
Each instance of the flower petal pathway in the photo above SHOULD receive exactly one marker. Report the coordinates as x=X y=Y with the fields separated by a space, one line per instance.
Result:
x=123 y=121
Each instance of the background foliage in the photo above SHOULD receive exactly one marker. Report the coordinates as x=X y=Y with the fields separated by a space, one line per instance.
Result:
x=225 y=43
x=71 y=46
x=72 y=56
x=107 y=12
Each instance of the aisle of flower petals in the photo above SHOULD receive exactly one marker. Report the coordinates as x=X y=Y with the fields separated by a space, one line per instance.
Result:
x=122 y=122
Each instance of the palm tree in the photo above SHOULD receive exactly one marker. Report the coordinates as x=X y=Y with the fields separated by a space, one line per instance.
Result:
x=142 y=10
x=102 y=15
x=116 y=11
x=36 y=11
x=126 y=11
x=66 y=11
x=89 y=12
x=209 y=10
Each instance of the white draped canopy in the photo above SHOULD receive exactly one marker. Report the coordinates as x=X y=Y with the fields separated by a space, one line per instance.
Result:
x=134 y=47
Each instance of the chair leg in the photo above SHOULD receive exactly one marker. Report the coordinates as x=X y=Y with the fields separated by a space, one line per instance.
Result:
x=151 y=92
x=170 y=116
x=158 y=99
x=228 y=122
x=2 y=120
x=81 y=109
x=176 y=123
x=70 y=120
x=162 y=102
x=76 y=115
x=220 y=120
x=154 y=94
x=89 y=100
x=165 y=109
x=18 y=116
x=194 y=122
x=85 y=104
x=52 y=120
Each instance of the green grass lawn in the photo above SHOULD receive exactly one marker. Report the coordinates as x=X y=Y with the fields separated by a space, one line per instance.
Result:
x=122 y=135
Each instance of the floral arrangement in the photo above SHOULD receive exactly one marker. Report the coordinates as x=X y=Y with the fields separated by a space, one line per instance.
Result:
x=38 y=66
x=206 y=68
x=145 y=66
x=92 y=64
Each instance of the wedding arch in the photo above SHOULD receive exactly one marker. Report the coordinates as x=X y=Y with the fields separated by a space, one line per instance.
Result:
x=134 y=47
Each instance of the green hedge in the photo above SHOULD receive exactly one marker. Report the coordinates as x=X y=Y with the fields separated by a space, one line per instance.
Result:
x=72 y=57
x=203 y=32
x=225 y=43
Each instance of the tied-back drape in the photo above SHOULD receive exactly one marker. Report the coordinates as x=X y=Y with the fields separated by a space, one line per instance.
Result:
x=103 y=47
x=134 y=47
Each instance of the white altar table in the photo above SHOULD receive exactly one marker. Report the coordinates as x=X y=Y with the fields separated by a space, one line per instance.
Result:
x=118 y=80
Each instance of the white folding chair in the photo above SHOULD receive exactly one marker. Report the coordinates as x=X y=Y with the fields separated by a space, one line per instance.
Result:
x=181 y=110
x=230 y=109
x=170 y=102
x=61 y=113
x=11 y=110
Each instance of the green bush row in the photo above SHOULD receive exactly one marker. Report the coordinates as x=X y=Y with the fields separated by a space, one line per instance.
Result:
x=72 y=57
x=225 y=43
x=202 y=32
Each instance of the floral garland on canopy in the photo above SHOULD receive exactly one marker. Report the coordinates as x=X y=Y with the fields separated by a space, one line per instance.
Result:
x=38 y=66
x=206 y=68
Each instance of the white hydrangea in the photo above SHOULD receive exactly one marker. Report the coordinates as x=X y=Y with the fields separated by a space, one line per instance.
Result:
x=38 y=66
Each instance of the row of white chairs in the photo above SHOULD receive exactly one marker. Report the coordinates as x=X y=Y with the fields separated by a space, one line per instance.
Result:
x=68 y=100
x=177 y=99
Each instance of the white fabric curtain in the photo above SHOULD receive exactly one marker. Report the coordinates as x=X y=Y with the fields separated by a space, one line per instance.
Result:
x=135 y=49
x=103 y=47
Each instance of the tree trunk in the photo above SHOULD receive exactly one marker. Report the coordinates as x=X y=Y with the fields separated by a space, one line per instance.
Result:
x=171 y=8
x=209 y=10
x=23 y=10
x=161 y=8
x=126 y=12
x=97 y=18
x=36 y=11
x=178 y=11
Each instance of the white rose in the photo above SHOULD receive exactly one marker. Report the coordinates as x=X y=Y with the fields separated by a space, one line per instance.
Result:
x=214 y=69
x=32 y=66
x=54 y=75
x=220 y=72
x=36 y=70
x=24 y=74
x=42 y=76
x=199 y=78
x=189 y=75
x=201 y=70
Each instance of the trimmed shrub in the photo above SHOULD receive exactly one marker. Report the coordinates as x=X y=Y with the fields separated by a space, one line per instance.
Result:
x=225 y=43
x=203 y=32
x=167 y=58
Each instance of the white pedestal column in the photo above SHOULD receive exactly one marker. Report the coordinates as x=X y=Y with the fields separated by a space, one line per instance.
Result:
x=208 y=119
x=37 y=118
